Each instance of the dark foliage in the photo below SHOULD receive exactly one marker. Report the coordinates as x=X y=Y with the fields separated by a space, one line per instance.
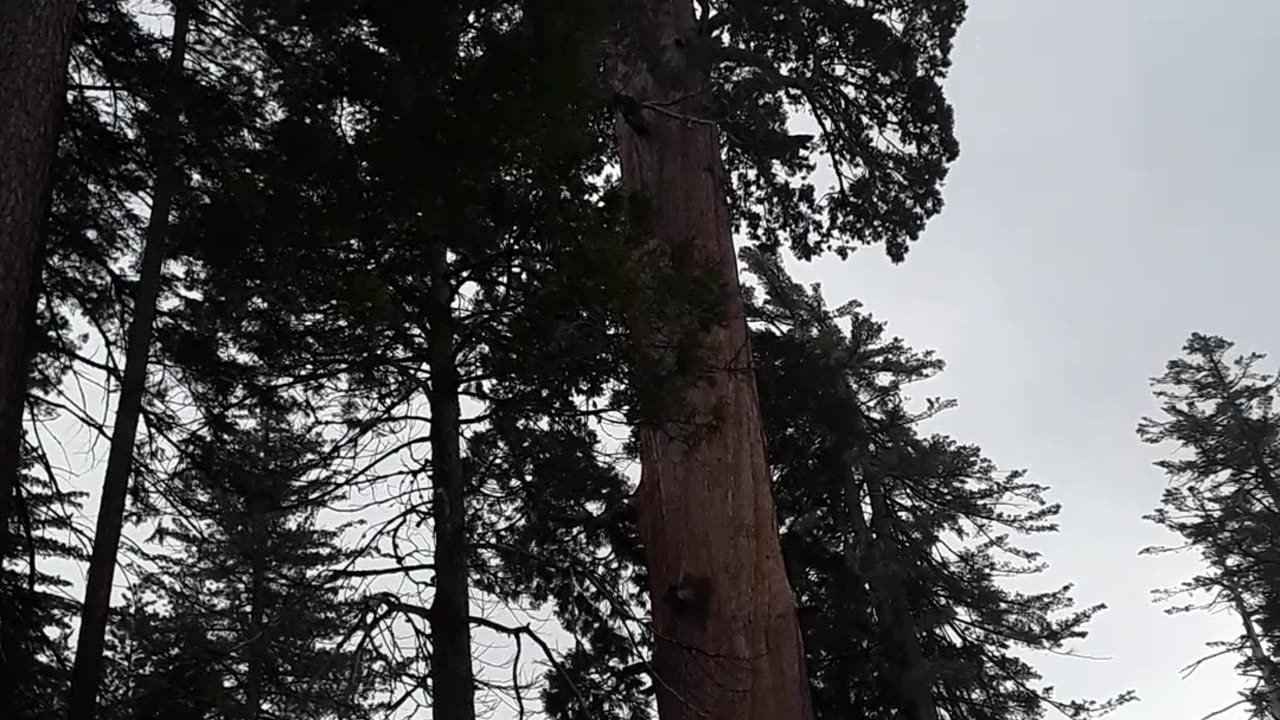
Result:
x=1223 y=499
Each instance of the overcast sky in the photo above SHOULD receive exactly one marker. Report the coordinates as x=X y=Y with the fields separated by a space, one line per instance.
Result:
x=1114 y=194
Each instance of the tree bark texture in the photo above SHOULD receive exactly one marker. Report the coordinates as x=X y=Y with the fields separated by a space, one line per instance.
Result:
x=452 y=679
x=35 y=39
x=87 y=672
x=727 y=641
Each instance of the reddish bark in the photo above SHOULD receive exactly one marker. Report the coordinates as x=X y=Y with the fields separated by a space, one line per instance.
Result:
x=727 y=641
x=35 y=39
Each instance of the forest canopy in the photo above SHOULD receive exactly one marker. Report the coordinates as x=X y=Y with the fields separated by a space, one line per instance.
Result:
x=447 y=363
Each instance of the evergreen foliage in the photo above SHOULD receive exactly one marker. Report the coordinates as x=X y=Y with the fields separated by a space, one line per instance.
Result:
x=1223 y=499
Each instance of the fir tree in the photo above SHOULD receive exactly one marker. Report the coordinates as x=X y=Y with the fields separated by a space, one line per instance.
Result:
x=244 y=610
x=895 y=540
x=1223 y=498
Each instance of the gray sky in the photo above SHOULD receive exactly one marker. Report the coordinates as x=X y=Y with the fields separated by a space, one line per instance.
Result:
x=1111 y=197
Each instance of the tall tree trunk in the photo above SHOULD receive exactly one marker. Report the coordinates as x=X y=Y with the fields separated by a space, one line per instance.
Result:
x=452 y=681
x=35 y=39
x=87 y=673
x=727 y=640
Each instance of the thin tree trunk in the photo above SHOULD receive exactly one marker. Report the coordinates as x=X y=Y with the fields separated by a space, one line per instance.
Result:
x=452 y=679
x=259 y=505
x=257 y=636
x=87 y=672
x=727 y=640
x=35 y=40
x=915 y=680
x=1266 y=666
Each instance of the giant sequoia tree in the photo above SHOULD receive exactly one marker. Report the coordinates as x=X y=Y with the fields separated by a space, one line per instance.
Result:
x=728 y=643
x=35 y=38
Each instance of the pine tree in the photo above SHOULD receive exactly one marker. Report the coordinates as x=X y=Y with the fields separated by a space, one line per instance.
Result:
x=168 y=178
x=93 y=170
x=895 y=540
x=36 y=590
x=322 y=252
x=1223 y=498
x=244 y=611
x=402 y=282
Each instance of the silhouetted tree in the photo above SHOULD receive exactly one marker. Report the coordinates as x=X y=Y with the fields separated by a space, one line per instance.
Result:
x=1223 y=497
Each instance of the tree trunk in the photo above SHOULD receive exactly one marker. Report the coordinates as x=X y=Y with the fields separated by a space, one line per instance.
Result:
x=257 y=646
x=727 y=641
x=1266 y=666
x=87 y=673
x=452 y=681
x=915 y=685
x=35 y=39
x=259 y=506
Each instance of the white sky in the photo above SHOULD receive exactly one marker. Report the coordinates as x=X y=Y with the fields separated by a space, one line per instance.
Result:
x=1111 y=197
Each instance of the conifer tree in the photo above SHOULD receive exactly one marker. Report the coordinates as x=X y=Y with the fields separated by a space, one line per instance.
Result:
x=167 y=181
x=244 y=610
x=1223 y=498
x=895 y=539
x=402 y=282
x=393 y=209
x=79 y=304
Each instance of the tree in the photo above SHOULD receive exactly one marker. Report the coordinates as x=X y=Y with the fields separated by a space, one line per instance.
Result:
x=80 y=299
x=244 y=610
x=728 y=644
x=1223 y=498
x=36 y=595
x=35 y=39
x=165 y=663
x=896 y=540
x=86 y=675
x=401 y=281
